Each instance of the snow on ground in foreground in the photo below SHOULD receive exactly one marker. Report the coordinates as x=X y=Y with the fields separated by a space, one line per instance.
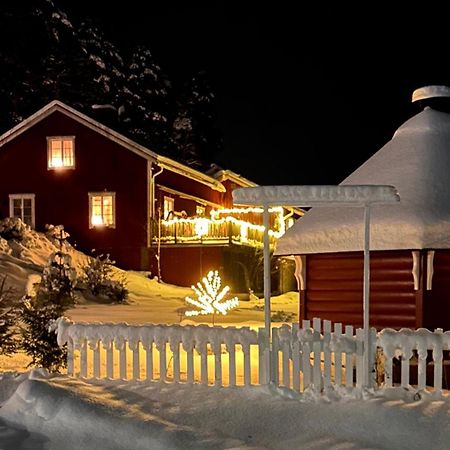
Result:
x=58 y=412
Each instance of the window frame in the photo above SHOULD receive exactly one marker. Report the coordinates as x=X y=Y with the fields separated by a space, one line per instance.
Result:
x=102 y=194
x=23 y=197
x=50 y=139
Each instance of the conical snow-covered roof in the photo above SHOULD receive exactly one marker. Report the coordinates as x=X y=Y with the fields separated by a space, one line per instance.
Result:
x=417 y=162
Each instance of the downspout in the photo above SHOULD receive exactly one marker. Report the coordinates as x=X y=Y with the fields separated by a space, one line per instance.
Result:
x=152 y=210
x=152 y=184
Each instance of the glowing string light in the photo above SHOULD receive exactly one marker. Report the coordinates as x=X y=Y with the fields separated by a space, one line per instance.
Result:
x=210 y=299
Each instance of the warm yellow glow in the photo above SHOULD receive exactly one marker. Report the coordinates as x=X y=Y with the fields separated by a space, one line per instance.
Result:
x=56 y=162
x=96 y=220
x=169 y=206
x=279 y=220
x=241 y=223
x=60 y=153
x=201 y=226
x=218 y=212
x=244 y=231
x=210 y=297
x=102 y=210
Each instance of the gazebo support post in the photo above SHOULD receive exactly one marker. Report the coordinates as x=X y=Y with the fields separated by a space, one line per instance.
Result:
x=267 y=288
x=366 y=294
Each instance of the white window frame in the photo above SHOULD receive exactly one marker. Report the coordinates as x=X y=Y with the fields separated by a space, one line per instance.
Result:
x=23 y=197
x=102 y=194
x=50 y=139
x=168 y=200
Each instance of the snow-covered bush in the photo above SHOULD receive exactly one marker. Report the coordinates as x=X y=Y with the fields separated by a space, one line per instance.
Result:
x=9 y=312
x=4 y=246
x=57 y=235
x=13 y=228
x=98 y=277
x=58 y=280
x=283 y=316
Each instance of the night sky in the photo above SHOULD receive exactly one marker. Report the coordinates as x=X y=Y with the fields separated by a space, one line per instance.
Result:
x=305 y=94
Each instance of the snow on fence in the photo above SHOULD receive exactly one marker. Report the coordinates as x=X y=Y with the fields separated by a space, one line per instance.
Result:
x=104 y=350
x=316 y=358
x=302 y=357
x=419 y=353
x=307 y=357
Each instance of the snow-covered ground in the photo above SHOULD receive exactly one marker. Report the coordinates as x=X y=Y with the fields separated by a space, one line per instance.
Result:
x=57 y=412
x=38 y=411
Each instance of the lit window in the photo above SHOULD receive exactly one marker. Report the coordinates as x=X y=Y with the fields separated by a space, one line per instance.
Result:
x=61 y=152
x=169 y=207
x=200 y=210
x=102 y=209
x=22 y=207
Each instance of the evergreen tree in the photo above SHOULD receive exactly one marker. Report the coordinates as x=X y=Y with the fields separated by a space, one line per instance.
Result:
x=194 y=132
x=54 y=297
x=58 y=59
x=105 y=68
x=147 y=100
x=9 y=312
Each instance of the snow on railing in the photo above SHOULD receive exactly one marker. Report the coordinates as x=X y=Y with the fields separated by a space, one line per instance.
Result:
x=187 y=349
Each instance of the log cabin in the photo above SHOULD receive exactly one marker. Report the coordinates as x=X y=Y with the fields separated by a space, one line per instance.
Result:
x=410 y=241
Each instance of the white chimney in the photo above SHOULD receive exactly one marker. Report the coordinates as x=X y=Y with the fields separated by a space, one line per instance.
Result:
x=430 y=92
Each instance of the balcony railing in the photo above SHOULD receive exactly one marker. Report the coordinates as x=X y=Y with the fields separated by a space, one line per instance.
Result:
x=228 y=230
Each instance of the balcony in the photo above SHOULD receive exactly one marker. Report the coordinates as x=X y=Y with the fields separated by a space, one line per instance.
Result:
x=220 y=229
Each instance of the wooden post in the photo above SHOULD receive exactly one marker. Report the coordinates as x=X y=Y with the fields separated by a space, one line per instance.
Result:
x=267 y=287
x=366 y=294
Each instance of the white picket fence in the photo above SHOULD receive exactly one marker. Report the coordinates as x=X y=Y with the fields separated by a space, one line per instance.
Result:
x=313 y=356
x=317 y=357
x=104 y=350
x=415 y=351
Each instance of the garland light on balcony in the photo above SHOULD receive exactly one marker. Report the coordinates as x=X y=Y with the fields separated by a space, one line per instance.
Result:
x=217 y=212
x=201 y=225
x=210 y=296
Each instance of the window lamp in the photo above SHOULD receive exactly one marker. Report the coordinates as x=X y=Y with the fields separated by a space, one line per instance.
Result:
x=102 y=209
x=61 y=152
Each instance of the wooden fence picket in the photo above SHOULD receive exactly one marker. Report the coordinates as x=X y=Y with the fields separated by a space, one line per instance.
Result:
x=295 y=358
x=326 y=353
x=338 y=356
x=348 y=359
x=317 y=350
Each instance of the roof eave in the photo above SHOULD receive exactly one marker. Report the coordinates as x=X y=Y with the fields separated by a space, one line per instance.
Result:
x=187 y=171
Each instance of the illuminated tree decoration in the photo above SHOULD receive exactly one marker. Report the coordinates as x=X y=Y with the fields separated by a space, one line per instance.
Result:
x=210 y=298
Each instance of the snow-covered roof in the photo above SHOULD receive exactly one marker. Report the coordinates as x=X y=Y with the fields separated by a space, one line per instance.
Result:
x=122 y=140
x=223 y=175
x=310 y=195
x=417 y=162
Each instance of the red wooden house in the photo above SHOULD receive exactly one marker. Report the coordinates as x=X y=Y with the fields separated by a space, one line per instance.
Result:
x=410 y=242
x=60 y=166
